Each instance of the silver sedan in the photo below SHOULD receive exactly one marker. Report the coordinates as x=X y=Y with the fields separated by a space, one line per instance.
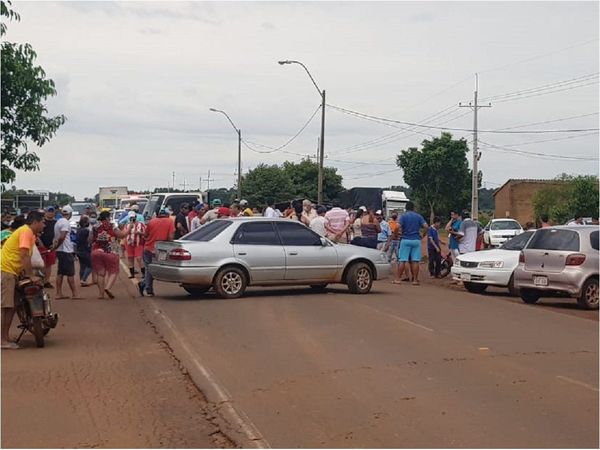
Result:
x=230 y=254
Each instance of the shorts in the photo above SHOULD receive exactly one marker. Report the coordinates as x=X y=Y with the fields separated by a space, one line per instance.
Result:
x=410 y=249
x=103 y=262
x=8 y=296
x=49 y=257
x=66 y=264
x=134 y=251
x=342 y=240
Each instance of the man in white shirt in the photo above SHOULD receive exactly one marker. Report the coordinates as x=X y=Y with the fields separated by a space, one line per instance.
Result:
x=308 y=212
x=318 y=223
x=65 y=254
x=270 y=211
x=469 y=231
x=213 y=214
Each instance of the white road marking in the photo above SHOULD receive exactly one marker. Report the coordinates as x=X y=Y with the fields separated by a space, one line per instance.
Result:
x=224 y=400
x=579 y=383
x=395 y=317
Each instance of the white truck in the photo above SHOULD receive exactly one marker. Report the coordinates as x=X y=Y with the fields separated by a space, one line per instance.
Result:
x=393 y=201
x=109 y=196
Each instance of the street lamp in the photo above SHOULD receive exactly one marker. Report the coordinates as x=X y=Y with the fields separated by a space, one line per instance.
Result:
x=239 y=133
x=322 y=141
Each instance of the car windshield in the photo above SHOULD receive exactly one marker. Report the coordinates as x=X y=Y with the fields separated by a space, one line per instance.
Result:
x=518 y=242
x=505 y=225
x=153 y=205
x=79 y=208
x=207 y=232
x=555 y=239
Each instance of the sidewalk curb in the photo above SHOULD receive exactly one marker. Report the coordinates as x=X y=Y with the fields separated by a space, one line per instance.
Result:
x=231 y=418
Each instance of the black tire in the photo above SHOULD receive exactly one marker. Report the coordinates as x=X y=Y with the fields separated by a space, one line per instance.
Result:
x=588 y=298
x=230 y=282
x=530 y=296
x=512 y=290
x=359 y=278
x=37 y=330
x=445 y=269
x=475 y=288
x=319 y=287
x=196 y=290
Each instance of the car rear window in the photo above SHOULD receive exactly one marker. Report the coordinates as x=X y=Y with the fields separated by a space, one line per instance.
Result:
x=207 y=232
x=518 y=242
x=505 y=225
x=594 y=240
x=555 y=239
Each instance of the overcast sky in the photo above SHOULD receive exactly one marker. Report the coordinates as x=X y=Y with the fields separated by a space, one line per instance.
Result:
x=136 y=81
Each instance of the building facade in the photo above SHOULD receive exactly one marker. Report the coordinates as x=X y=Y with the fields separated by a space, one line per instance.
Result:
x=514 y=199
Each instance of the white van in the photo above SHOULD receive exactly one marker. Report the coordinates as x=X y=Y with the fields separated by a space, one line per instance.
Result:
x=172 y=200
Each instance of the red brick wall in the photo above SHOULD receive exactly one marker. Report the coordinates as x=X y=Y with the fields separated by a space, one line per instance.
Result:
x=515 y=200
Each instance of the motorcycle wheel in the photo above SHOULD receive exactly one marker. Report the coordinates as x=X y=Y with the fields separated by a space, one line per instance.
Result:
x=445 y=269
x=37 y=329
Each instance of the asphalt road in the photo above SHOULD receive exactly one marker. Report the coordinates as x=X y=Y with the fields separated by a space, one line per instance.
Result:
x=428 y=366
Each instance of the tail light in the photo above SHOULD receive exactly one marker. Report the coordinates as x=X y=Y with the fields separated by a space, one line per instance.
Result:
x=576 y=259
x=179 y=254
x=522 y=257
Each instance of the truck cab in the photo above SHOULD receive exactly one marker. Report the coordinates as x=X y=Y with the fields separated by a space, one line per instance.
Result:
x=172 y=200
x=393 y=201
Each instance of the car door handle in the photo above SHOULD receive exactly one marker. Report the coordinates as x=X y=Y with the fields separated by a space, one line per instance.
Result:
x=242 y=253
x=293 y=253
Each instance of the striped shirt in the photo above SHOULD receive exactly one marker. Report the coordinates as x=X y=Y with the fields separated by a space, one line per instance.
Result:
x=337 y=219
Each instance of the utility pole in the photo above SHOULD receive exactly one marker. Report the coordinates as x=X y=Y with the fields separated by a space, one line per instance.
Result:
x=321 y=152
x=239 y=174
x=184 y=184
x=476 y=155
x=200 y=183
x=208 y=180
x=173 y=181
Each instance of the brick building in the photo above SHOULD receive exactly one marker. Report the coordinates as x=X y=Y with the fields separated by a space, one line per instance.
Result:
x=514 y=199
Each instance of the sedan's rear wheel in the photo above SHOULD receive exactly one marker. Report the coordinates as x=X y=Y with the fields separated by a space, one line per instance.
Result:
x=230 y=282
x=588 y=298
x=359 y=278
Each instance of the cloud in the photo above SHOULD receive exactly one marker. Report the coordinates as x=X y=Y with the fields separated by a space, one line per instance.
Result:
x=151 y=30
x=268 y=26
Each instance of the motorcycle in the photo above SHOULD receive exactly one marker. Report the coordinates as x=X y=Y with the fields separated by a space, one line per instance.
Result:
x=445 y=264
x=34 y=310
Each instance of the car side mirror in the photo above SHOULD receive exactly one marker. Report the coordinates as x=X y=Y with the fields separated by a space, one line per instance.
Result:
x=324 y=242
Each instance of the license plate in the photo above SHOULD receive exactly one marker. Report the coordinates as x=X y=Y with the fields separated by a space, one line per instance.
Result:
x=162 y=255
x=466 y=277
x=540 y=281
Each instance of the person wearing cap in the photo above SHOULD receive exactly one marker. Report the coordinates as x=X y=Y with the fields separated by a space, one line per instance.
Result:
x=213 y=214
x=308 y=212
x=244 y=204
x=134 y=244
x=65 y=253
x=139 y=217
x=161 y=228
x=46 y=240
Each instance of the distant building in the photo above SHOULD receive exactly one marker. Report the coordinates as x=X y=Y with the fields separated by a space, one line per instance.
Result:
x=514 y=199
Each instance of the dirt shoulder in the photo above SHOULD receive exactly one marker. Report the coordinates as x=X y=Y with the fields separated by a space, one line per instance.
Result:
x=104 y=379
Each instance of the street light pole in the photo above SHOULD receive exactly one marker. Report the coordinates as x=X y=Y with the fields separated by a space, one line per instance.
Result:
x=239 y=133
x=322 y=141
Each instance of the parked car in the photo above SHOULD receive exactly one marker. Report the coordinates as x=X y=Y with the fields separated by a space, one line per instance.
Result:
x=498 y=231
x=231 y=254
x=560 y=259
x=493 y=267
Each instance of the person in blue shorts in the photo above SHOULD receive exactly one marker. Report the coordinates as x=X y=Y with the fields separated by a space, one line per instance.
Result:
x=410 y=245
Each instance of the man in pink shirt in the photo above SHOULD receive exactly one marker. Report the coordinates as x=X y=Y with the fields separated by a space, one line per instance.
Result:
x=337 y=222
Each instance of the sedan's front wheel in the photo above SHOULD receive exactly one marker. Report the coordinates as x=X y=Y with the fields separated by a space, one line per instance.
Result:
x=230 y=282
x=359 y=278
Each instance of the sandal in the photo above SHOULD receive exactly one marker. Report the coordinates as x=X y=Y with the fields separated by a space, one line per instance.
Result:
x=10 y=346
x=110 y=294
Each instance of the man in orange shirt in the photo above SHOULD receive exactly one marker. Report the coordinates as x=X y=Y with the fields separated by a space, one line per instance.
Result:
x=16 y=262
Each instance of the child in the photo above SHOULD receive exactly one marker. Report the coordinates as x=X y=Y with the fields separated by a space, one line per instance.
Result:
x=434 y=250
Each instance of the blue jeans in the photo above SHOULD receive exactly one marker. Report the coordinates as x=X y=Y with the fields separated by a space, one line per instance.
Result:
x=148 y=283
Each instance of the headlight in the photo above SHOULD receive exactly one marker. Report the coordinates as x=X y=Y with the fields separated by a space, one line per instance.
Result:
x=491 y=264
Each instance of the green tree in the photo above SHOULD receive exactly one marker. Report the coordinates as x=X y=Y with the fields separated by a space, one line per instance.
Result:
x=486 y=199
x=267 y=182
x=24 y=90
x=570 y=196
x=438 y=174
x=304 y=176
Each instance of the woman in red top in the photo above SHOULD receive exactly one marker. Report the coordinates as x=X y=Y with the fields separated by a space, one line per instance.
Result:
x=105 y=262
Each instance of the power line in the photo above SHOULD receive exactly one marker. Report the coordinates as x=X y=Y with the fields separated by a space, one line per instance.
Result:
x=570 y=88
x=549 y=121
x=467 y=130
x=535 y=154
x=276 y=149
x=574 y=136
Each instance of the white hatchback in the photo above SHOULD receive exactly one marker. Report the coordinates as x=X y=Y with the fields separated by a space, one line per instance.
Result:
x=493 y=267
x=498 y=231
